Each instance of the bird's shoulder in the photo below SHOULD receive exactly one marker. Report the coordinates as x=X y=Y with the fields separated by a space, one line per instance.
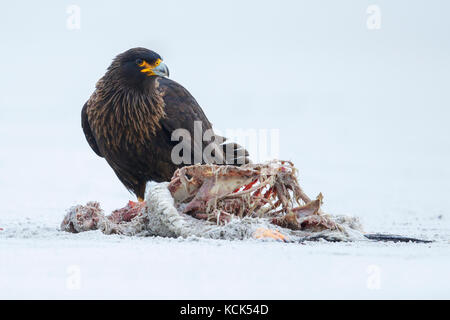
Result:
x=180 y=107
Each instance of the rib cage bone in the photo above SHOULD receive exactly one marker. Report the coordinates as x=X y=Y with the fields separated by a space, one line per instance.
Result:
x=269 y=190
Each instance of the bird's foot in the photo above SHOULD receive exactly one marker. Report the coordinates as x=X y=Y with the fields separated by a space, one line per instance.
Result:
x=268 y=234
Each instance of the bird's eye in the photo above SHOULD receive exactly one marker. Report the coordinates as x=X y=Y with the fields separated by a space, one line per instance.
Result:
x=140 y=62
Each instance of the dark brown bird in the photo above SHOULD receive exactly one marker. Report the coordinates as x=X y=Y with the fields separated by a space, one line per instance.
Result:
x=131 y=116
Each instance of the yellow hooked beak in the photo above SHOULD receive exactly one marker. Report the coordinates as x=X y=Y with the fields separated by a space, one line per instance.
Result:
x=158 y=68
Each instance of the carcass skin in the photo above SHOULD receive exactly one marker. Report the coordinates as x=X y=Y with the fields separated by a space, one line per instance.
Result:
x=91 y=217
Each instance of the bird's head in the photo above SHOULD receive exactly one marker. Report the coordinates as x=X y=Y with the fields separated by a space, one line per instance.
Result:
x=137 y=65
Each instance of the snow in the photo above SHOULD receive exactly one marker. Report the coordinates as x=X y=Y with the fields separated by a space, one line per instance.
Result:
x=362 y=114
x=41 y=266
x=38 y=261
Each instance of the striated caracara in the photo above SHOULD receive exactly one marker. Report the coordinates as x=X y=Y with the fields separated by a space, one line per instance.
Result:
x=130 y=118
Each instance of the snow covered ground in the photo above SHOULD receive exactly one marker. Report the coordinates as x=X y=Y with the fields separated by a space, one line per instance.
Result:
x=362 y=113
x=40 y=262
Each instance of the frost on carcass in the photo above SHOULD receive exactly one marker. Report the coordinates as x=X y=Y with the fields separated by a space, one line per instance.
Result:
x=262 y=201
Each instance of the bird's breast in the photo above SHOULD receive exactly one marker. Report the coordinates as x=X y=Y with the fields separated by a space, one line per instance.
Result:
x=127 y=122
